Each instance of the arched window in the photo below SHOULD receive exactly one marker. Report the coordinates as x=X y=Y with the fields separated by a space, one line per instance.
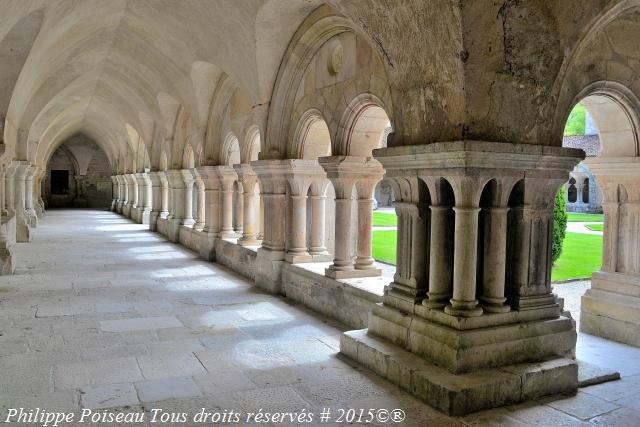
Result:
x=572 y=191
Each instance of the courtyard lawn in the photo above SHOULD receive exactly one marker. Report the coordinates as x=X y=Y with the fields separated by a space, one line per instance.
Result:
x=595 y=227
x=384 y=246
x=385 y=220
x=581 y=254
x=583 y=217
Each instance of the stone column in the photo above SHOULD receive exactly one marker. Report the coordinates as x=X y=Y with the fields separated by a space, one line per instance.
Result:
x=178 y=216
x=30 y=211
x=495 y=258
x=115 y=195
x=268 y=271
x=344 y=172
x=9 y=189
x=37 y=184
x=124 y=186
x=318 y=206
x=132 y=195
x=144 y=197
x=159 y=198
x=296 y=231
x=187 y=198
x=238 y=208
x=440 y=277
x=226 y=176
x=365 y=187
x=3 y=191
x=410 y=279
x=464 y=302
x=209 y=177
x=23 y=230
x=201 y=204
x=251 y=202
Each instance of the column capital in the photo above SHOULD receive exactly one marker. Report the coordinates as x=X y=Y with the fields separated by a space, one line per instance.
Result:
x=299 y=174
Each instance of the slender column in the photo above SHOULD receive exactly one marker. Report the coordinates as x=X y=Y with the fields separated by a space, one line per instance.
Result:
x=209 y=177
x=201 y=203
x=187 y=177
x=318 y=203
x=177 y=203
x=238 y=208
x=125 y=191
x=9 y=189
x=28 y=197
x=114 y=193
x=3 y=191
x=39 y=185
x=495 y=257
x=439 y=263
x=227 y=177
x=23 y=233
x=297 y=220
x=145 y=197
x=251 y=205
x=465 y=258
x=365 y=187
x=610 y=236
x=342 y=257
x=159 y=198
x=133 y=188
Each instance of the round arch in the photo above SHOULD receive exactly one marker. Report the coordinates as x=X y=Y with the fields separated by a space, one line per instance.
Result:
x=312 y=138
x=362 y=126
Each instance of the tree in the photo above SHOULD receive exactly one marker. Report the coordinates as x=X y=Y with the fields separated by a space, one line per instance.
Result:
x=559 y=224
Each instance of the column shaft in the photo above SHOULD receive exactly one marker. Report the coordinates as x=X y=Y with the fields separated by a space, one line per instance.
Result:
x=439 y=261
x=495 y=258
x=465 y=260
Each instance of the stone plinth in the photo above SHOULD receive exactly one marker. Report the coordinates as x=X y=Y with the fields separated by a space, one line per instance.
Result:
x=469 y=321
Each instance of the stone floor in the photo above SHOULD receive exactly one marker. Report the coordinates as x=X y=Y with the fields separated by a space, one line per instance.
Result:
x=103 y=314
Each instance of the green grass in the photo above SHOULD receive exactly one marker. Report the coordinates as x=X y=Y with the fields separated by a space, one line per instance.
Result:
x=576 y=121
x=581 y=254
x=384 y=246
x=595 y=227
x=385 y=220
x=583 y=217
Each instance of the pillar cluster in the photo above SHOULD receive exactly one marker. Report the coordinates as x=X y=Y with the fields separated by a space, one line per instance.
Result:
x=472 y=287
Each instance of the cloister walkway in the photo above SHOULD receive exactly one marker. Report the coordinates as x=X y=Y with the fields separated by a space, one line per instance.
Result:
x=104 y=314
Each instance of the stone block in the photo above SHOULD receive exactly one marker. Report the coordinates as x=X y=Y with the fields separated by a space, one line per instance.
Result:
x=459 y=394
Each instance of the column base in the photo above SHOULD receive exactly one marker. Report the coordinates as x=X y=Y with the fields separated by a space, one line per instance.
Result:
x=228 y=234
x=464 y=393
x=297 y=258
x=611 y=308
x=23 y=231
x=249 y=241
x=467 y=344
x=352 y=274
x=126 y=211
